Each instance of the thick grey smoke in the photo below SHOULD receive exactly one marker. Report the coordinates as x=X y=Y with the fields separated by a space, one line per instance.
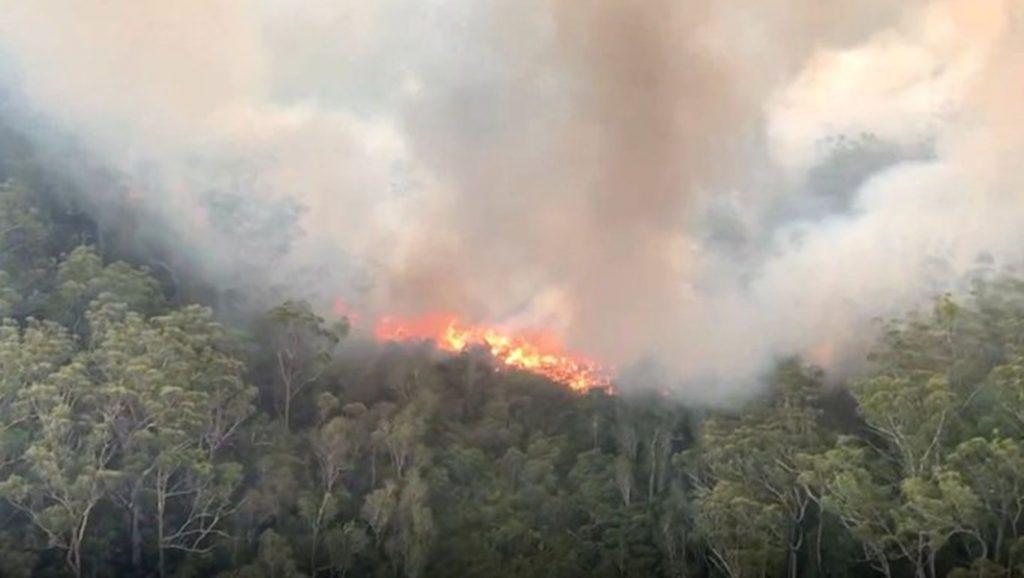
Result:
x=708 y=185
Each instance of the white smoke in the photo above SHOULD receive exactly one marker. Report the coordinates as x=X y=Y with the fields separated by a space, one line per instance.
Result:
x=709 y=186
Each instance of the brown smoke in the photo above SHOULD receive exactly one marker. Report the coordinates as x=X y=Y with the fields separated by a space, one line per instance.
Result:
x=651 y=178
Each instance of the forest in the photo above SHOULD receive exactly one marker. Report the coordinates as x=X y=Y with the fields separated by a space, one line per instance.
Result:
x=143 y=433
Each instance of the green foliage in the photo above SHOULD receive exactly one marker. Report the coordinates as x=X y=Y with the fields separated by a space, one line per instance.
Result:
x=301 y=345
x=82 y=278
x=25 y=229
x=139 y=437
x=743 y=534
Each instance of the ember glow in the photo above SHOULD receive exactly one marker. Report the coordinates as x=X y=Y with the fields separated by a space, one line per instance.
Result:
x=537 y=352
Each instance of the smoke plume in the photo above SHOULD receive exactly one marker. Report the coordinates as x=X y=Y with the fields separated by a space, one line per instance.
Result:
x=705 y=185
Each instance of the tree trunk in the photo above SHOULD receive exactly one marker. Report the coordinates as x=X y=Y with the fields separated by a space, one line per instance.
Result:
x=161 y=503
x=286 y=379
x=74 y=556
x=373 y=468
x=77 y=560
x=920 y=567
x=1000 y=530
x=817 y=541
x=136 y=539
x=652 y=477
x=312 y=550
x=287 y=407
x=74 y=559
x=793 y=547
x=316 y=533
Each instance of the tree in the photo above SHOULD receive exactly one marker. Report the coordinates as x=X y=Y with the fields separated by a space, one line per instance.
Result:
x=174 y=397
x=28 y=357
x=765 y=449
x=335 y=445
x=913 y=413
x=935 y=509
x=302 y=347
x=842 y=483
x=743 y=534
x=344 y=544
x=65 y=471
x=415 y=530
x=994 y=471
x=274 y=560
x=82 y=277
x=25 y=243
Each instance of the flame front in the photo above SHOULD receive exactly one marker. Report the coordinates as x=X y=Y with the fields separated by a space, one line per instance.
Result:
x=537 y=352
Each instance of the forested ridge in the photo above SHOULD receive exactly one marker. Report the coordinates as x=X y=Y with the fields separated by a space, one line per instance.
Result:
x=139 y=436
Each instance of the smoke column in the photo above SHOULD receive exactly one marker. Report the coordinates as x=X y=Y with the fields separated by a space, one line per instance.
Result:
x=707 y=185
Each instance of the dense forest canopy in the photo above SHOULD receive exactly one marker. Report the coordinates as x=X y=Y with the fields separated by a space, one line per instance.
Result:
x=140 y=436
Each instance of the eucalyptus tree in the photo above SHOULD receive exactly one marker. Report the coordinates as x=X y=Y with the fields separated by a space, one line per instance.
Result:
x=994 y=471
x=302 y=345
x=64 y=466
x=764 y=450
x=336 y=446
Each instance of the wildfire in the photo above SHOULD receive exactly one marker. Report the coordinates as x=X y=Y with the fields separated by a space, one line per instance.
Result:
x=537 y=352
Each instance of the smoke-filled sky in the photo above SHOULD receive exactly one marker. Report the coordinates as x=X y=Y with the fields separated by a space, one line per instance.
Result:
x=708 y=184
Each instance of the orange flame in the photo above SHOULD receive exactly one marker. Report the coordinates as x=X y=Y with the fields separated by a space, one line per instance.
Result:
x=539 y=352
